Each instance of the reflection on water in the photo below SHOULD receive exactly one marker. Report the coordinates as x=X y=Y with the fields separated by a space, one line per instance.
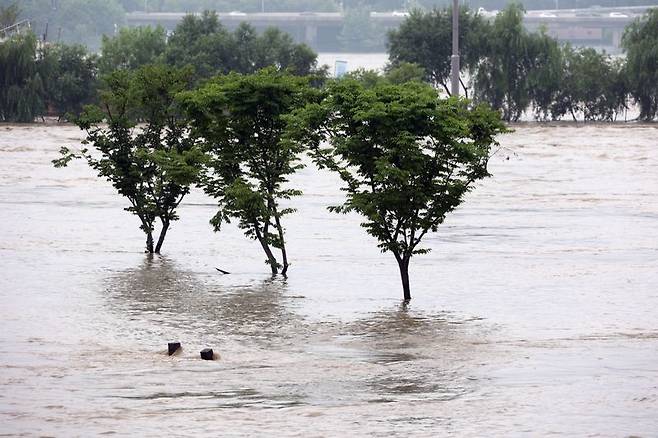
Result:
x=166 y=294
x=387 y=356
x=534 y=314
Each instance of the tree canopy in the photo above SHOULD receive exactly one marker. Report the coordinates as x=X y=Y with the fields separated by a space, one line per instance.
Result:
x=425 y=39
x=204 y=43
x=640 y=41
x=21 y=80
x=72 y=78
x=152 y=164
x=406 y=157
x=132 y=48
x=241 y=121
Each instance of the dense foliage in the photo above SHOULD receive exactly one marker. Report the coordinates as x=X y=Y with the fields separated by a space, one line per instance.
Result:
x=152 y=164
x=132 y=48
x=241 y=121
x=426 y=39
x=44 y=79
x=71 y=78
x=406 y=157
x=592 y=86
x=641 y=44
x=517 y=72
x=204 y=43
x=21 y=80
x=55 y=79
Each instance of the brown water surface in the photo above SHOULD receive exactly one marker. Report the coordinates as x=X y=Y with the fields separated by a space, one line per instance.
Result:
x=534 y=314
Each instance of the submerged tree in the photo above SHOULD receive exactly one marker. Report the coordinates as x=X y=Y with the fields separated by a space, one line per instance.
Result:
x=545 y=74
x=21 y=80
x=425 y=38
x=592 y=85
x=406 y=157
x=71 y=78
x=241 y=121
x=503 y=78
x=640 y=41
x=152 y=164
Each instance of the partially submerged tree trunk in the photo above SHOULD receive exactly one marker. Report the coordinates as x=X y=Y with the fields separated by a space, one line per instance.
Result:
x=284 y=255
x=163 y=233
x=149 y=242
x=147 y=227
x=271 y=260
x=403 y=264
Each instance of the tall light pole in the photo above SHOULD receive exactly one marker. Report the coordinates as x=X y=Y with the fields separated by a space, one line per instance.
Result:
x=454 y=60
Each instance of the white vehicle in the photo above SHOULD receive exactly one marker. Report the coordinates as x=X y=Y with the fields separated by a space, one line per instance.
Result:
x=617 y=15
x=400 y=14
x=547 y=15
x=236 y=13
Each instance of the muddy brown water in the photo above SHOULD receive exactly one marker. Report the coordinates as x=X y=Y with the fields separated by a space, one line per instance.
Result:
x=535 y=313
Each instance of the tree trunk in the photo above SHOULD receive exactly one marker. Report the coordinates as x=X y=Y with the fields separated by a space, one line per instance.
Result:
x=163 y=233
x=149 y=242
x=403 y=263
x=284 y=255
x=465 y=89
x=268 y=251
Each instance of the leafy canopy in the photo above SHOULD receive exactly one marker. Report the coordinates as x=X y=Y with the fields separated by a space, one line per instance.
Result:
x=640 y=41
x=141 y=144
x=72 y=78
x=425 y=38
x=241 y=120
x=203 y=42
x=21 y=80
x=132 y=48
x=406 y=157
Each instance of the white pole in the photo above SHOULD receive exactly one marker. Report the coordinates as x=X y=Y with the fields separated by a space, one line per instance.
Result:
x=454 y=60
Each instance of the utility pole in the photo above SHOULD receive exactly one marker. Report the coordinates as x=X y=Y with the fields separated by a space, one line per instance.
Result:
x=454 y=60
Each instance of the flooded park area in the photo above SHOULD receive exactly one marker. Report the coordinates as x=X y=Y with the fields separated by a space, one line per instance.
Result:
x=534 y=314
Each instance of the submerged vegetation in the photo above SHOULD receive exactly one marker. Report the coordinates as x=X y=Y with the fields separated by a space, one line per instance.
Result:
x=405 y=157
x=232 y=112
x=240 y=123
x=39 y=79
x=152 y=165
x=517 y=71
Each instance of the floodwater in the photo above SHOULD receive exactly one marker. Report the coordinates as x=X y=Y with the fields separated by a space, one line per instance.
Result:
x=535 y=313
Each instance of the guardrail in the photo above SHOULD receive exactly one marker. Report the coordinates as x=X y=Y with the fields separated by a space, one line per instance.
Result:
x=14 y=29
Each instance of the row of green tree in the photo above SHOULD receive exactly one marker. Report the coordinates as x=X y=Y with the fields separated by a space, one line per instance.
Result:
x=405 y=156
x=517 y=71
x=56 y=79
x=86 y=21
x=514 y=70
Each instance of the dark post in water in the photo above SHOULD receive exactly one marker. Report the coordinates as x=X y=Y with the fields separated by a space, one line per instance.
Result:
x=172 y=347
x=207 y=354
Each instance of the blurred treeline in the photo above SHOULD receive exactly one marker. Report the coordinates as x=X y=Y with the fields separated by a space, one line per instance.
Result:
x=515 y=71
x=85 y=21
x=38 y=79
